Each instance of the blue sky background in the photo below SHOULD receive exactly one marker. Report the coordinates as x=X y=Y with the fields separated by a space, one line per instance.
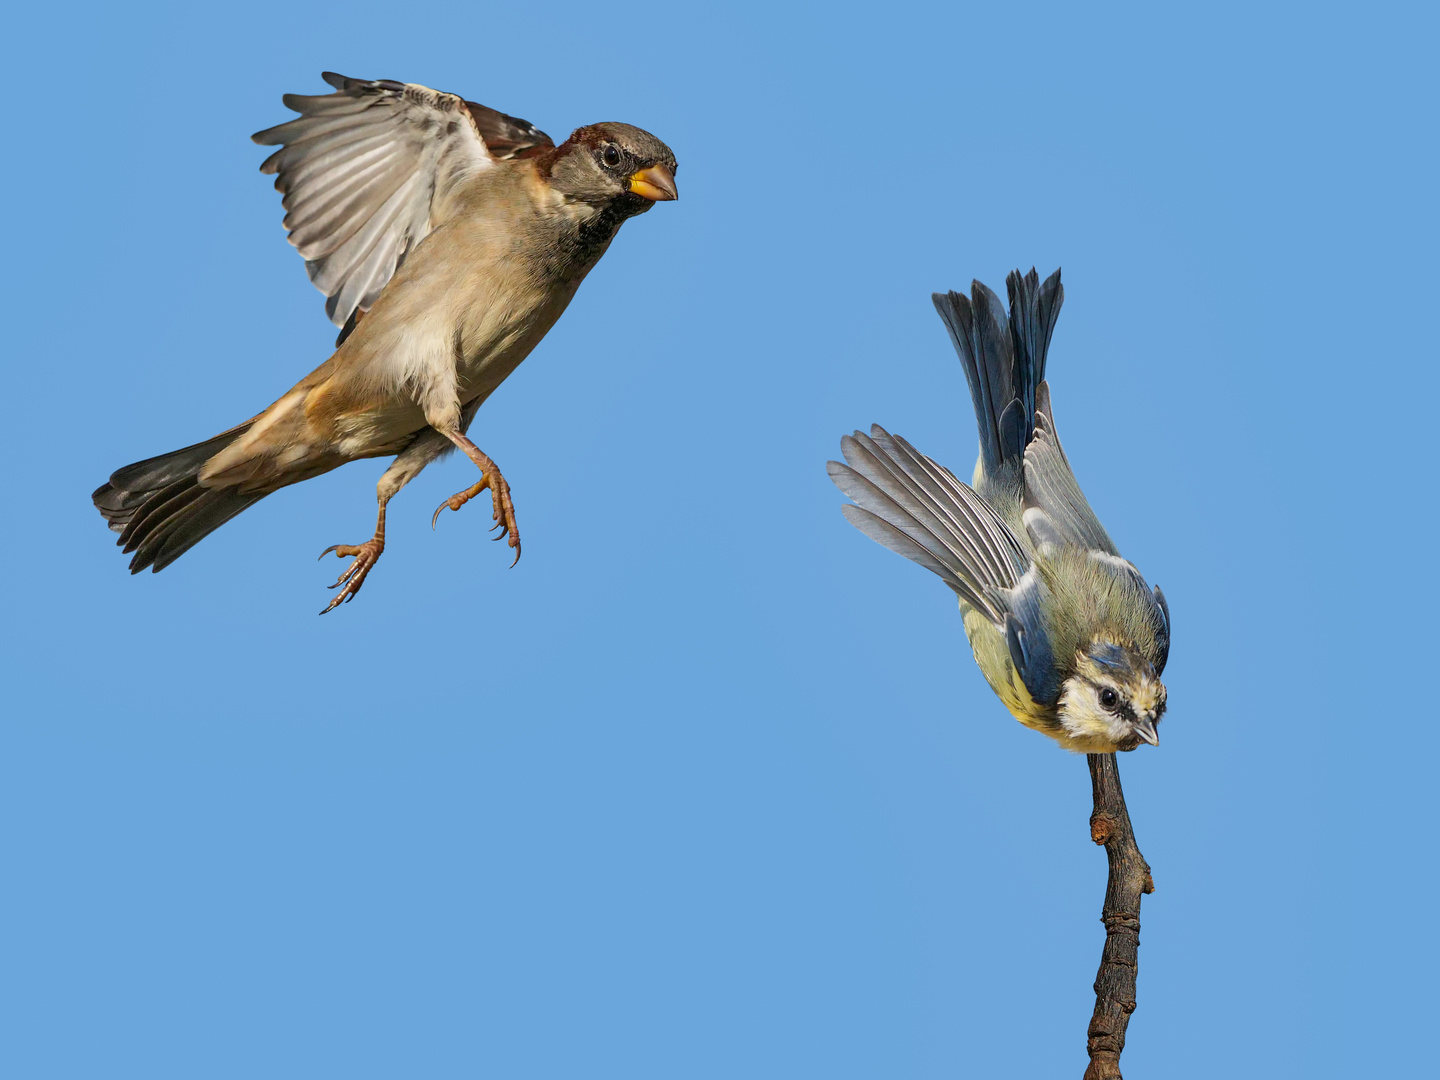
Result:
x=708 y=786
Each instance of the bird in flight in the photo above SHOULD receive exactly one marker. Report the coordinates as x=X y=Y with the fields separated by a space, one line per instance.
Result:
x=447 y=238
x=1066 y=632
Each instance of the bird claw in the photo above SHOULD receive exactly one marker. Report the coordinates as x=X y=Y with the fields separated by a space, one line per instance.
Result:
x=459 y=499
x=504 y=508
x=366 y=555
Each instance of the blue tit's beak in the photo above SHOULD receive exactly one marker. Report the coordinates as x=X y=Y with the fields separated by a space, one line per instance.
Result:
x=1145 y=728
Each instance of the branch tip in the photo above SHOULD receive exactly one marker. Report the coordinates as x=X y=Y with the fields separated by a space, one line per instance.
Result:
x=1129 y=879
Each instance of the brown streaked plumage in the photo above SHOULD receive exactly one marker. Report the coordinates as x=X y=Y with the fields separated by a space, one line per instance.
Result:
x=448 y=238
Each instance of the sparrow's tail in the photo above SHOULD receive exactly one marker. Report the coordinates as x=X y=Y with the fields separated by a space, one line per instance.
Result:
x=1004 y=359
x=159 y=508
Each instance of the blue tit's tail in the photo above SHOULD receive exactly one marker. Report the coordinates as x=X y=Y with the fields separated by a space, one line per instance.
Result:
x=1004 y=360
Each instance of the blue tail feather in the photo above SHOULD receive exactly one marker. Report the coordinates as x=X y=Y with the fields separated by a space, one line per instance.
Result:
x=1003 y=358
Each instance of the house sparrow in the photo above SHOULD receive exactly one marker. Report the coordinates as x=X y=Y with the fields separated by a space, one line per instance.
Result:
x=448 y=238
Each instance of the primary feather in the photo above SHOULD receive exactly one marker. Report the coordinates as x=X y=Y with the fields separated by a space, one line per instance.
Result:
x=920 y=510
x=363 y=169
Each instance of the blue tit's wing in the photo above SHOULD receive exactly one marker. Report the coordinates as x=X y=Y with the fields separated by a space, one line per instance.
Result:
x=1056 y=510
x=1028 y=640
x=1162 y=633
x=917 y=508
x=1057 y=514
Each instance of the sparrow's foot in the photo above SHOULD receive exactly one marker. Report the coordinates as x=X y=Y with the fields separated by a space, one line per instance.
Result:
x=366 y=555
x=504 y=514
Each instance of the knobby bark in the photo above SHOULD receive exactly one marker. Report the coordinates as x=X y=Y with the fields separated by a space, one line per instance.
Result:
x=1129 y=880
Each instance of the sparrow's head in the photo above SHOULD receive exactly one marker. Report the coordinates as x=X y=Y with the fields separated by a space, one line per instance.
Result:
x=1113 y=700
x=615 y=163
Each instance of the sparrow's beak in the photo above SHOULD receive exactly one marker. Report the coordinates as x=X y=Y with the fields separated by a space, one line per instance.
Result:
x=657 y=183
x=1145 y=728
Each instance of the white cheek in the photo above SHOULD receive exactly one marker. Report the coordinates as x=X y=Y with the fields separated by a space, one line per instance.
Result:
x=1086 y=721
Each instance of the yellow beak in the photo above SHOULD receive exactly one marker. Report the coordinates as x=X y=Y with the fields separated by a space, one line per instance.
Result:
x=657 y=183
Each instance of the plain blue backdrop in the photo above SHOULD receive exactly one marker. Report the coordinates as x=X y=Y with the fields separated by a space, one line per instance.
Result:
x=708 y=786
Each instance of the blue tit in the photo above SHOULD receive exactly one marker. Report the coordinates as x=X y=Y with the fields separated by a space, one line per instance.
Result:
x=1066 y=632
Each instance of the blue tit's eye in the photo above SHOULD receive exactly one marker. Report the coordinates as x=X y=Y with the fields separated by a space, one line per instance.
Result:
x=1109 y=698
x=610 y=156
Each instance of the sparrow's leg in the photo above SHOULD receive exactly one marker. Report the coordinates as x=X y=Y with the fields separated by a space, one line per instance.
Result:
x=504 y=513
x=366 y=555
x=426 y=447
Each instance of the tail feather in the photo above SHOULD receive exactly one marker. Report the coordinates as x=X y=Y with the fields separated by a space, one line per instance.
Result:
x=1034 y=309
x=159 y=508
x=188 y=526
x=153 y=510
x=1004 y=358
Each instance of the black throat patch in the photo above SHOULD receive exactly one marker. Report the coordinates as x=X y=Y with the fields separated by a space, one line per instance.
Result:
x=580 y=249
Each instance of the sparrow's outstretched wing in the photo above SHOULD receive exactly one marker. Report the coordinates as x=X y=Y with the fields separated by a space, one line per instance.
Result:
x=508 y=137
x=362 y=170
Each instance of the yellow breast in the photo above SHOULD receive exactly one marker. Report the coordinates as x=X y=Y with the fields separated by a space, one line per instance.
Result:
x=992 y=655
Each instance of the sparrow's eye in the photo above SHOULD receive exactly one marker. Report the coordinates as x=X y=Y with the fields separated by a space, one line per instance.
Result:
x=1109 y=698
x=610 y=156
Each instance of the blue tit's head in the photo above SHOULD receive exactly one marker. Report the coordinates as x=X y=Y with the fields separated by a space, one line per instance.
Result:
x=1113 y=700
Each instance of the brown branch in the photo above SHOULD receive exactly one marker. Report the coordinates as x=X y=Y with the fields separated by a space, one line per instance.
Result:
x=1129 y=878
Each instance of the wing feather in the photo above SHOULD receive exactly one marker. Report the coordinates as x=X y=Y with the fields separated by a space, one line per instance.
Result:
x=917 y=508
x=882 y=532
x=322 y=104
x=880 y=518
x=325 y=224
x=374 y=258
x=1001 y=552
x=889 y=490
x=363 y=170
x=1050 y=486
x=342 y=175
x=374 y=221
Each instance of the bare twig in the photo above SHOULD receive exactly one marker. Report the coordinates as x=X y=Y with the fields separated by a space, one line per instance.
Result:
x=1129 y=879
